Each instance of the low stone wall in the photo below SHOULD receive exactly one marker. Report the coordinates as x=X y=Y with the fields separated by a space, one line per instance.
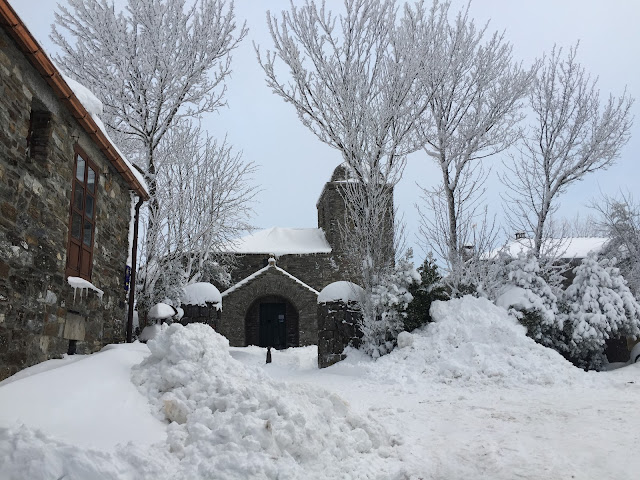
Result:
x=337 y=328
x=208 y=314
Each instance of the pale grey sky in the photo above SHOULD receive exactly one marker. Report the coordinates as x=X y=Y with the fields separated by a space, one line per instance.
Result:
x=294 y=165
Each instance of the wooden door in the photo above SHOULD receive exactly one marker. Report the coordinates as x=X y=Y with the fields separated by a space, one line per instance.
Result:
x=273 y=325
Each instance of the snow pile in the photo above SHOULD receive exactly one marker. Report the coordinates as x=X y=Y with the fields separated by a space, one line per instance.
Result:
x=201 y=293
x=474 y=341
x=234 y=422
x=341 y=292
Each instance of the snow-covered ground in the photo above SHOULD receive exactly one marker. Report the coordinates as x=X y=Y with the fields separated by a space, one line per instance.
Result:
x=469 y=397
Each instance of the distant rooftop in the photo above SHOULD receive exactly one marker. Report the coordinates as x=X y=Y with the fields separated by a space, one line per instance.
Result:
x=282 y=241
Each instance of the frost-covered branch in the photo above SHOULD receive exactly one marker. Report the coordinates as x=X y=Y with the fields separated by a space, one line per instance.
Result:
x=205 y=202
x=473 y=112
x=574 y=133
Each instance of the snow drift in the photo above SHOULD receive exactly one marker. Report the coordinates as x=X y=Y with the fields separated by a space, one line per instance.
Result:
x=229 y=421
x=473 y=341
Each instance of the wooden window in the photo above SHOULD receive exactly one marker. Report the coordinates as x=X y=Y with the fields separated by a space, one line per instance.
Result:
x=82 y=217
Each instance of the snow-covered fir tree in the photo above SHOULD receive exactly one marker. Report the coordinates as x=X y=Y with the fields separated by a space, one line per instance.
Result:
x=389 y=300
x=532 y=301
x=601 y=307
x=430 y=288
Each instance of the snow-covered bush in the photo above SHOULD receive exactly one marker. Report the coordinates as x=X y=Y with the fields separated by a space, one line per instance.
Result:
x=429 y=289
x=601 y=307
x=384 y=319
x=531 y=300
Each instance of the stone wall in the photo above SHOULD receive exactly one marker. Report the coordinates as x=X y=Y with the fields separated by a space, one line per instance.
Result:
x=236 y=306
x=39 y=312
x=316 y=270
x=337 y=329
x=331 y=214
x=208 y=314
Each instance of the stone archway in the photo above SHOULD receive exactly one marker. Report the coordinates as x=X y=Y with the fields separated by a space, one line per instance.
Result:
x=272 y=320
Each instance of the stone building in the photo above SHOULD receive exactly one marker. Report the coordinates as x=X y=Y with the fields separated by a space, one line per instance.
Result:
x=65 y=209
x=273 y=300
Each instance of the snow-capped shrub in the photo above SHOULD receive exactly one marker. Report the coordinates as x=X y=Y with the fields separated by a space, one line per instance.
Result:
x=389 y=300
x=429 y=289
x=531 y=300
x=600 y=307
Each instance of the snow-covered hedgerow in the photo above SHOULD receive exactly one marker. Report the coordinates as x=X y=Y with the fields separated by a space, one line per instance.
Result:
x=473 y=341
x=230 y=421
x=601 y=307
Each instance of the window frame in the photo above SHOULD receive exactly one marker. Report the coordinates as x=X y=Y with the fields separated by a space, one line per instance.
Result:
x=76 y=247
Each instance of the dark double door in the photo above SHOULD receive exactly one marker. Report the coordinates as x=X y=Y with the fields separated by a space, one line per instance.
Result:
x=273 y=325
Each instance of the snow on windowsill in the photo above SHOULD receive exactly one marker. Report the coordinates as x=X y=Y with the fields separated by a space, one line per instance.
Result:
x=81 y=284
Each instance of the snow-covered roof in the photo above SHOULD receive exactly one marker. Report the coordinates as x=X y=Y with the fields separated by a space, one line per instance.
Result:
x=271 y=264
x=574 y=247
x=282 y=241
x=341 y=292
x=201 y=293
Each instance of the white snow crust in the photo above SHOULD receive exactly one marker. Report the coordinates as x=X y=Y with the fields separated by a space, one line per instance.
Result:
x=518 y=297
x=282 y=241
x=201 y=293
x=83 y=285
x=87 y=98
x=161 y=311
x=150 y=332
x=342 y=291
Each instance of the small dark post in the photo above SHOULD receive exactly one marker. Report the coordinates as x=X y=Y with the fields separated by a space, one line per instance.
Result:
x=268 y=354
x=72 y=347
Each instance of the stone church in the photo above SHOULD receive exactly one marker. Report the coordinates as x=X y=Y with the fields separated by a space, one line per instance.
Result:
x=274 y=293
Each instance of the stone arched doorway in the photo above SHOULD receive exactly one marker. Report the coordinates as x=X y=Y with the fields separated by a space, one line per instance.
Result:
x=273 y=321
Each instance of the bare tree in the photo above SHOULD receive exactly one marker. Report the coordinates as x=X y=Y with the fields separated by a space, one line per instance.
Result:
x=152 y=65
x=573 y=134
x=352 y=80
x=619 y=219
x=204 y=203
x=473 y=111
